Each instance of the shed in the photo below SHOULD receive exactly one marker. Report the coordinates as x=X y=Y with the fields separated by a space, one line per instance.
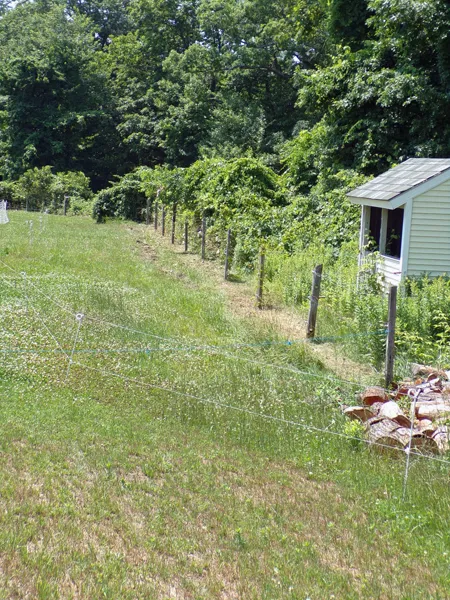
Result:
x=405 y=216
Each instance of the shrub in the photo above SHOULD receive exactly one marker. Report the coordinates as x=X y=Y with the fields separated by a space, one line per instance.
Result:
x=40 y=188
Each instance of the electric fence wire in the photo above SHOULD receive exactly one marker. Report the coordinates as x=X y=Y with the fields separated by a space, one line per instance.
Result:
x=265 y=416
x=171 y=339
x=239 y=409
x=212 y=348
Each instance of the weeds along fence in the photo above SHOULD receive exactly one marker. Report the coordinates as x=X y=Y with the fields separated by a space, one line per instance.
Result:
x=269 y=395
x=352 y=303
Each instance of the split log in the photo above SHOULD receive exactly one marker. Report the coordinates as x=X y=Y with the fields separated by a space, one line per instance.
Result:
x=374 y=420
x=392 y=410
x=429 y=431
x=363 y=413
x=426 y=426
x=423 y=443
x=432 y=411
x=402 y=391
x=446 y=388
x=384 y=438
x=431 y=398
x=376 y=407
x=426 y=371
x=374 y=394
x=432 y=401
x=440 y=436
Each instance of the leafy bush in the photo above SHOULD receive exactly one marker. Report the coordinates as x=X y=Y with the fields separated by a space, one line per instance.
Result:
x=125 y=198
x=41 y=188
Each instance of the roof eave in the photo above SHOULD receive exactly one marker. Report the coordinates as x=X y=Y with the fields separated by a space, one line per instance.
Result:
x=404 y=197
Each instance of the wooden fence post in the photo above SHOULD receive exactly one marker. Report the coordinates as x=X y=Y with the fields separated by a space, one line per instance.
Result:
x=163 y=220
x=314 y=302
x=174 y=218
x=186 y=233
x=227 y=254
x=156 y=216
x=259 y=291
x=203 y=237
x=390 y=342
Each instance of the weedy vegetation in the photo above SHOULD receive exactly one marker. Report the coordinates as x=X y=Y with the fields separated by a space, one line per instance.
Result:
x=188 y=453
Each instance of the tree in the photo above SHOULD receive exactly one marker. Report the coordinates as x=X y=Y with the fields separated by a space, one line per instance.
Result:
x=347 y=22
x=52 y=88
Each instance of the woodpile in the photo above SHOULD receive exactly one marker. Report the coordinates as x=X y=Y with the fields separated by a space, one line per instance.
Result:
x=413 y=417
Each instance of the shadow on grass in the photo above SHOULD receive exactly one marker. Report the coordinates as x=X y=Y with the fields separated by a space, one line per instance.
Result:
x=235 y=278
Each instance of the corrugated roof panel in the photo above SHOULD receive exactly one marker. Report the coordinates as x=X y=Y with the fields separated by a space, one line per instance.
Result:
x=398 y=180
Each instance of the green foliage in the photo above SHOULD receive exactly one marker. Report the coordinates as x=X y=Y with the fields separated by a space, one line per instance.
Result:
x=37 y=189
x=347 y=21
x=124 y=198
x=356 y=431
x=54 y=106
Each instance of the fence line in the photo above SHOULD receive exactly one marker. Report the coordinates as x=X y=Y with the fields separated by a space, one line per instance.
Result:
x=239 y=409
x=265 y=416
x=238 y=346
x=268 y=365
x=219 y=348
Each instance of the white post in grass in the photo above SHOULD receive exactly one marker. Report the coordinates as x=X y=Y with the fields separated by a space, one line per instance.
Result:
x=3 y=216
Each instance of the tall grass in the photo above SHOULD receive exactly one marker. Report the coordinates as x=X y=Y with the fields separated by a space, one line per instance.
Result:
x=182 y=435
x=353 y=305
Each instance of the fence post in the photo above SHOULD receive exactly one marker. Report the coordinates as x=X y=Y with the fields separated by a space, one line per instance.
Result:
x=156 y=216
x=259 y=291
x=390 y=342
x=314 y=302
x=174 y=218
x=186 y=233
x=203 y=237
x=66 y=197
x=227 y=254
x=163 y=220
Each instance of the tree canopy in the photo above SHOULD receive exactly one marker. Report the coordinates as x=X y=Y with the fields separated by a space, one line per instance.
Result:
x=310 y=88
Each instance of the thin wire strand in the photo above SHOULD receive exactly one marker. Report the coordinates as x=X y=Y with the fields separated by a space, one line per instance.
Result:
x=49 y=331
x=227 y=354
x=170 y=339
x=252 y=412
x=41 y=319
x=237 y=408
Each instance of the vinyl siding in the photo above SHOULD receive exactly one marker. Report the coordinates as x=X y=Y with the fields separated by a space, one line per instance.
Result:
x=429 y=244
x=389 y=269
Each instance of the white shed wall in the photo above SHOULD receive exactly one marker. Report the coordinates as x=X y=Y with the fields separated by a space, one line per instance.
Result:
x=429 y=242
x=390 y=270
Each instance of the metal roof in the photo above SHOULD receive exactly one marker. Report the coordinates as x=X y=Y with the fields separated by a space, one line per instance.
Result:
x=402 y=178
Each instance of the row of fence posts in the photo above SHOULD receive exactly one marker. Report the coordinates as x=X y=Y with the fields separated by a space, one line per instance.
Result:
x=315 y=289
x=203 y=241
x=392 y=318
x=186 y=230
x=65 y=204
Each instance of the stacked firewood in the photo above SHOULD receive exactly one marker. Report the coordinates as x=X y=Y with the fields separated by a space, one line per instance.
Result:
x=414 y=416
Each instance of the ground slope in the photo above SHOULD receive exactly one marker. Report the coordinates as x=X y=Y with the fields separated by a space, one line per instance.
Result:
x=145 y=470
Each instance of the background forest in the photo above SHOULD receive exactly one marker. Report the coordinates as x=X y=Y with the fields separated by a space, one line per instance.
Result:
x=261 y=114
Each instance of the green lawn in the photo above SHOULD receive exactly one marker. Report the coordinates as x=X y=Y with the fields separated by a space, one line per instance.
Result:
x=146 y=472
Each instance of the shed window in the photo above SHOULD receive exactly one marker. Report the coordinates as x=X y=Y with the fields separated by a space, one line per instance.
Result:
x=394 y=231
x=374 y=228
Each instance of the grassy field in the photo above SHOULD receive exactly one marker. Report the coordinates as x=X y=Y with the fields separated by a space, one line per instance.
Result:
x=146 y=471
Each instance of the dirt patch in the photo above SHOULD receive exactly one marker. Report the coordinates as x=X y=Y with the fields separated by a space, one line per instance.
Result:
x=240 y=301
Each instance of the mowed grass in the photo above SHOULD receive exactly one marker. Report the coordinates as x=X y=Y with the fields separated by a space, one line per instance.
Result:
x=145 y=471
